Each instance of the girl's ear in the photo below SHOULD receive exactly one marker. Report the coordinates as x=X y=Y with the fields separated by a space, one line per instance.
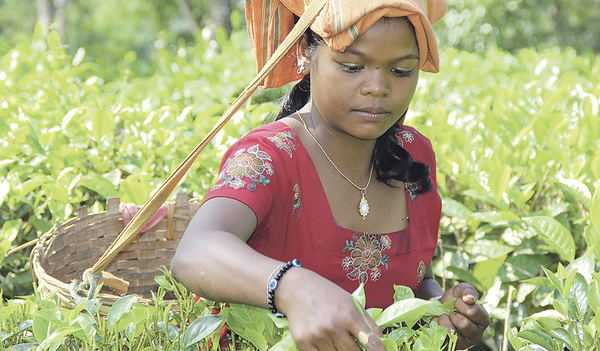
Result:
x=303 y=56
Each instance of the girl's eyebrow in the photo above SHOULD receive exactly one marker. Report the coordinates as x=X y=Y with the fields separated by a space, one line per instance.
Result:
x=401 y=58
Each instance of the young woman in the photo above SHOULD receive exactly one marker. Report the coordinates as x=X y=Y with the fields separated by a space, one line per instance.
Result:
x=339 y=184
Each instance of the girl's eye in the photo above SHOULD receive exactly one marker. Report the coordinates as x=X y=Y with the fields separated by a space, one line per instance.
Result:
x=350 y=69
x=402 y=73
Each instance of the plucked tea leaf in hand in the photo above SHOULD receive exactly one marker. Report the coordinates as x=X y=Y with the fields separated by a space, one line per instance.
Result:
x=405 y=311
x=402 y=293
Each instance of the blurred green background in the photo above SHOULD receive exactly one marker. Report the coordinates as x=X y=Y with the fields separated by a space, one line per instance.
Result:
x=111 y=30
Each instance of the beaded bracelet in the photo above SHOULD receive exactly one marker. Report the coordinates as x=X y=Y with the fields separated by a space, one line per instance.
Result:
x=274 y=281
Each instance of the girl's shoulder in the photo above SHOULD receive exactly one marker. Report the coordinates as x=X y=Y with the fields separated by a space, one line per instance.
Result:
x=272 y=131
x=273 y=127
x=409 y=137
x=275 y=138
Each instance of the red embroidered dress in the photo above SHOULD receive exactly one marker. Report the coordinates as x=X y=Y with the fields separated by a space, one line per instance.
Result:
x=270 y=171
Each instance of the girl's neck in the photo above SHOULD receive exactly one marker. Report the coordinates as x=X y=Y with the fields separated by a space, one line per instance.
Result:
x=349 y=153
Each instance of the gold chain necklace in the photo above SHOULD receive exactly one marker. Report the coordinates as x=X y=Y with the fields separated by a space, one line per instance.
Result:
x=363 y=205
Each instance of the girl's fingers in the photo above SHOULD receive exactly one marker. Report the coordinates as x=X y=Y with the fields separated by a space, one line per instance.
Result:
x=368 y=335
x=475 y=313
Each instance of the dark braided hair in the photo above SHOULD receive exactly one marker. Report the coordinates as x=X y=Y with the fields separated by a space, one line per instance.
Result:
x=391 y=161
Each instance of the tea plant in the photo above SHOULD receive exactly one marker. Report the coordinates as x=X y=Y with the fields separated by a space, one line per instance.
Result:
x=186 y=323
x=573 y=322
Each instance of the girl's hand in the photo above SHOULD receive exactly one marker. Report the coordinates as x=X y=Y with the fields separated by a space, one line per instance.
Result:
x=323 y=316
x=468 y=319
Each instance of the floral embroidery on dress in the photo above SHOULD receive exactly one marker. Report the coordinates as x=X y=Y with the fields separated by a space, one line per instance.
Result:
x=421 y=270
x=297 y=195
x=284 y=141
x=405 y=136
x=251 y=164
x=366 y=256
x=412 y=191
x=297 y=203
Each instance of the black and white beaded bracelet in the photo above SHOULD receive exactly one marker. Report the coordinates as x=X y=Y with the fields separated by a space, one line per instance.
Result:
x=274 y=281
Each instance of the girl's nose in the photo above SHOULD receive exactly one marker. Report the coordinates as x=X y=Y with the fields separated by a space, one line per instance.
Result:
x=375 y=84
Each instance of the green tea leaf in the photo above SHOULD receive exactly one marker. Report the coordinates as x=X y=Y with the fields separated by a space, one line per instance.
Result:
x=389 y=344
x=453 y=208
x=169 y=330
x=86 y=323
x=4 y=189
x=99 y=185
x=201 y=328
x=55 y=340
x=24 y=347
x=579 y=294
x=554 y=234
x=583 y=265
x=486 y=271
x=564 y=336
x=79 y=55
x=41 y=327
x=10 y=230
x=548 y=319
x=402 y=293
x=32 y=184
x=436 y=308
x=594 y=293
x=463 y=275
x=359 y=296
x=162 y=281
x=406 y=311
x=595 y=214
x=257 y=339
x=285 y=344
x=592 y=239
x=118 y=309
x=514 y=340
x=54 y=40
x=578 y=189
x=103 y=125
x=539 y=338
x=555 y=281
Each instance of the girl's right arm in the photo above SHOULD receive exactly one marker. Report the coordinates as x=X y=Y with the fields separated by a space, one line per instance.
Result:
x=214 y=261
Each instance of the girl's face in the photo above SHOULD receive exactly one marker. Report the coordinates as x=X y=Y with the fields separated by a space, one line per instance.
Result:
x=364 y=90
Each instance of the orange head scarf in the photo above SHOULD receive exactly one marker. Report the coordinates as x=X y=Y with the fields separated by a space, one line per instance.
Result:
x=339 y=24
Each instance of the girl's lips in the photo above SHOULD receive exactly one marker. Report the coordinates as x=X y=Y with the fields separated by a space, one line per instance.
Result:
x=372 y=115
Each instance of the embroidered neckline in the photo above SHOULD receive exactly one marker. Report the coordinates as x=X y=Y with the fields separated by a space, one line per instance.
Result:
x=301 y=150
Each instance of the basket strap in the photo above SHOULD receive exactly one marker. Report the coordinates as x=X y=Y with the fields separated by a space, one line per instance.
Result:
x=167 y=187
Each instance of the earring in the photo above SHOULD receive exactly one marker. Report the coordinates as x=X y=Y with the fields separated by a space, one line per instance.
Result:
x=300 y=69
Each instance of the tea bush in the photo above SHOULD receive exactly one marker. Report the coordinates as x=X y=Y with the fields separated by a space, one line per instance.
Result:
x=35 y=323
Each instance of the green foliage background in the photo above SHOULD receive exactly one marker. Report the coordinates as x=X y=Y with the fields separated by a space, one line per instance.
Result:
x=513 y=119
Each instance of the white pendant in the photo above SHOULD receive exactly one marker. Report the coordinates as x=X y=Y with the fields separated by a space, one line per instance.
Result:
x=363 y=206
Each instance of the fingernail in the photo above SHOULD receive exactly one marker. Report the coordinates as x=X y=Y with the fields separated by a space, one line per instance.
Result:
x=469 y=297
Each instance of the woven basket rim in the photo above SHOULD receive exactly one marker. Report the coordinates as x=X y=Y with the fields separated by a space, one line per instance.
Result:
x=50 y=285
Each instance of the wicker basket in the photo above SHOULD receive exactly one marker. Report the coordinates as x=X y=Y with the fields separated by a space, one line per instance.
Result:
x=68 y=249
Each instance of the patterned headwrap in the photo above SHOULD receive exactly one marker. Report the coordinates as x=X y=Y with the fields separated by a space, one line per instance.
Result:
x=339 y=24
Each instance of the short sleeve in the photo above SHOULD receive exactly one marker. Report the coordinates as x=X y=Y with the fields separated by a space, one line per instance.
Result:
x=419 y=148
x=253 y=171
